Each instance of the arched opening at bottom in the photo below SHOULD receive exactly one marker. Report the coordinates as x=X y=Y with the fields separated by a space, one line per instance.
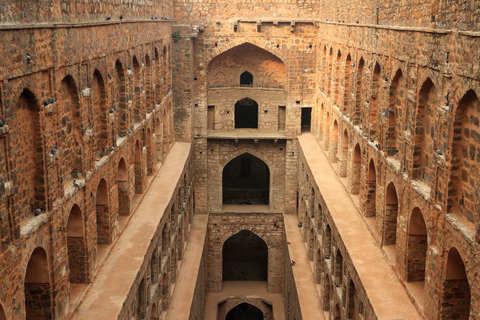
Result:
x=245 y=257
x=245 y=311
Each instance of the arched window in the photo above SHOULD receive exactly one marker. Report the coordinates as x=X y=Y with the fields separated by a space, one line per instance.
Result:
x=246 y=79
x=246 y=114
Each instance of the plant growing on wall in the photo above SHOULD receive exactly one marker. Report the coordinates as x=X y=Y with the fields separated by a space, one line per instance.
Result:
x=176 y=36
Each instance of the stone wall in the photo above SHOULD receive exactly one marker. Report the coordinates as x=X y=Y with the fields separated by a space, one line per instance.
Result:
x=404 y=121
x=86 y=115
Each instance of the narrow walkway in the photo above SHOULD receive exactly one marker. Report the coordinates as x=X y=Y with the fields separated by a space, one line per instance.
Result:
x=387 y=296
x=183 y=294
x=113 y=282
x=304 y=281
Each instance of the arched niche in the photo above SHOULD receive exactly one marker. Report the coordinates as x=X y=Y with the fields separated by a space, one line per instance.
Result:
x=391 y=213
x=103 y=213
x=246 y=79
x=456 y=297
x=371 y=191
x=246 y=180
x=38 y=291
x=77 y=257
x=416 y=247
x=245 y=258
x=28 y=159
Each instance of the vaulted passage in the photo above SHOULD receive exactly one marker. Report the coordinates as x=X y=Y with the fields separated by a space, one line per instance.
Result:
x=245 y=311
x=246 y=180
x=245 y=258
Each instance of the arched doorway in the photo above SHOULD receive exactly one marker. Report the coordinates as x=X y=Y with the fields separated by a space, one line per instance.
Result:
x=245 y=257
x=246 y=114
x=245 y=311
x=246 y=180
x=38 y=295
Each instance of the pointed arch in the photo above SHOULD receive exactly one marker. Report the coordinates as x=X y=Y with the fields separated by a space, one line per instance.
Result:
x=38 y=291
x=138 y=168
x=422 y=138
x=100 y=114
x=456 y=297
x=244 y=257
x=157 y=75
x=76 y=247
x=73 y=145
x=119 y=98
x=246 y=79
x=337 y=79
x=394 y=104
x=347 y=85
x=391 y=213
x=124 y=199
x=29 y=153
x=137 y=91
x=149 y=104
x=245 y=311
x=464 y=141
x=151 y=158
x=104 y=232
x=417 y=246
x=358 y=93
x=375 y=87
x=343 y=155
x=330 y=78
x=356 y=170
x=246 y=180
x=371 y=191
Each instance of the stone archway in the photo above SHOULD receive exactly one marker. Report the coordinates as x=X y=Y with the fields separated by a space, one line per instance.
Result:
x=246 y=180
x=245 y=311
x=245 y=258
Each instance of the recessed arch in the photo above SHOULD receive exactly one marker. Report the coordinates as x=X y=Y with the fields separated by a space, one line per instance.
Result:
x=224 y=69
x=356 y=170
x=422 y=139
x=137 y=91
x=77 y=257
x=38 y=291
x=326 y=292
x=119 y=98
x=246 y=180
x=244 y=257
x=100 y=114
x=456 y=296
x=347 y=85
x=394 y=103
x=464 y=142
x=358 y=93
x=246 y=114
x=338 y=275
x=417 y=246
x=123 y=187
x=371 y=191
x=246 y=79
x=103 y=213
x=391 y=213
x=138 y=168
x=245 y=311
x=150 y=155
x=29 y=149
